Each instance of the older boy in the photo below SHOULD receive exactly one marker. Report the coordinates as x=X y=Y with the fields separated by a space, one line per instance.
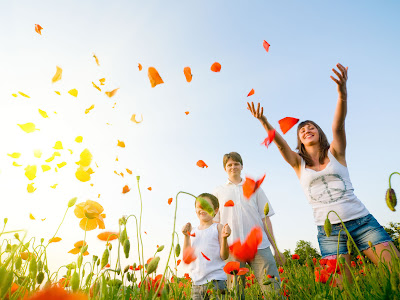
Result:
x=243 y=216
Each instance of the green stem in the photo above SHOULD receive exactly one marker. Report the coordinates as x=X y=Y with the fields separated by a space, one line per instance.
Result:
x=273 y=240
x=140 y=225
x=390 y=176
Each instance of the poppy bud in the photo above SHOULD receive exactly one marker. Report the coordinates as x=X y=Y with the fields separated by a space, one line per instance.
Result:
x=370 y=244
x=98 y=262
x=95 y=257
x=328 y=227
x=104 y=258
x=46 y=269
x=75 y=282
x=41 y=241
x=127 y=247
x=152 y=266
x=128 y=276
x=349 y=245
x=16 y=235
x=84 y=249
x=72 y=202
x=266 y=209
x=126 y=269
x=33 y=267
x=80 y=259
x=342 y=260
x=134 y=266
x=110 y=247
x=5 y=221
x=161 y=248
x=40 y=277
x=177 y=250
x=71 y=266
x=391 y=199
x=123 y=236
x=205 y=206
x=18 y=263
x=267 y=282
x=88 y=279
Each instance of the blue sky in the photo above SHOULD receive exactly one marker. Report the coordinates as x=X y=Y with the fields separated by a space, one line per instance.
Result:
x=307 y=39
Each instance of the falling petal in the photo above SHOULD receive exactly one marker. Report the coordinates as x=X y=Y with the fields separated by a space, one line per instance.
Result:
x=108 y=236
x=216 y=67
x=30 y=172
x=201 y=164
x=85 y=158
x=97 y=60
x=149 y=188
x=38 y=29
x=188 y=74
x=45 y=168
x=266 y=46
x=140 y=67
x=125 y=189
x=60 y=165
x=251 y=93
x=250 y=186
x=30 y=188
x=82 y=175
x=170 y=201
x=229 y=203
x=58 y=146
x=186 y=112
x=28 y=127
x=43 y=219
x=14 y=155
x=129 y=171
x=116 y=159
x=24 y=95
x=89 y=109
x=270 y=138
x=37 y=153
x=204 y=256
x=133 y=119
x=287 y=123
x=54 y=240
x=58 y=75
x=73 y=92
x=102 y=80
x=57 y=92
x=94 y=85
x=14 y=95
x=154 y=77
x=70 y=151
x=112 y=93
x=89 y=171
x=79 y=139
x=54 y=186
x=31 y=217
x=16 y=165
x=121 y=144
x=43 y=113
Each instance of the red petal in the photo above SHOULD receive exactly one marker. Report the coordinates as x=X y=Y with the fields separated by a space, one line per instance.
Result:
x=216 y=67
x=251 y=93
x=248 y=187
x=270 y=138
x=229 y=203
x=242 y=271
x=266 y=45
x=287 y=123
x=38 y=28
x=188 y=74
x=170 y=201
x=201 y=164
x=232 y=267
x=259 y=182
x=188 y=255
x=204 y=256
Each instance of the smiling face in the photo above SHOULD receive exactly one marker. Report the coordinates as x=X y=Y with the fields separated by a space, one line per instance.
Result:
x=202 y=214
x=308 y=134
x=233 y=168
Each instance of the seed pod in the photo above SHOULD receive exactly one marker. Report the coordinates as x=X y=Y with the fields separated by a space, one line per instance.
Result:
x=80 y=259
x=18 y=263
x=72 y=202
x=5 y=221
x=177 y=250
x=104 y=258
x=161 y=248
x=266 y=209
x=127 y=247
x=123 y=236
x=328 y=227
x=391 y=200
x=33 y=267
x=152 y=266
x=349 y=245
x=75 y=282
x=40 y=277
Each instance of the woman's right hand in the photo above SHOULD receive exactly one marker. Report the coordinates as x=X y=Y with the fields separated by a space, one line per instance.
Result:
x=258 y=112
x=187 y=229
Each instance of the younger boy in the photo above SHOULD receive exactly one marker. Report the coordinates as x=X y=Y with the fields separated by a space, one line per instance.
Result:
x=209 y=241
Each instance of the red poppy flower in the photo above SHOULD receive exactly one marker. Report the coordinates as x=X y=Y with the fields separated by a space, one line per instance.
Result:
x=266 y=45
x=233 y=268
x=153 y=284
x=333 y=266
x=246 y=251
x=270 y=276
x=270 y=138
x=186 y=275
x=353 y=264
x=188 y=255
x=295 y=256
x=321 y=276
x=229 y=203
x=38 y=29
x=280 y=270
x=323 y=261
x=201 y=164
x=287 y=123
x=314 y=260
x=204 y=256
x=250 y=186
x=251 y=93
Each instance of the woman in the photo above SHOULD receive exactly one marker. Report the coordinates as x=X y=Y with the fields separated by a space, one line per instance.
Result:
x=322 y=170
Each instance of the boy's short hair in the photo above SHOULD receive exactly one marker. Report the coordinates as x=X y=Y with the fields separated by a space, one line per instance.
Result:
x=214 y=200
x=234 y=156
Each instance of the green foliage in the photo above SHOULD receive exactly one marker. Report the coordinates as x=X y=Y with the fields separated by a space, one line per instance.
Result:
x=305 y=250
x=393 y=229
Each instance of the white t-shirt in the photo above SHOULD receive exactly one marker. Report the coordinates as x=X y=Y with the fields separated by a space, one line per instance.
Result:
x=245 y=214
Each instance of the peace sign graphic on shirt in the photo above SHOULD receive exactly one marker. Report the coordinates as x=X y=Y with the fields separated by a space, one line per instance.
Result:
x=327 y=188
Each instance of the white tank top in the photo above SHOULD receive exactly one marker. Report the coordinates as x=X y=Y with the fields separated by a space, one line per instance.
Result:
x=203 y=270
x=331 y=189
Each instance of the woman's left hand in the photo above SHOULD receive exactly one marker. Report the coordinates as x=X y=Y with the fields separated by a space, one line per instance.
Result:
x=342 y=79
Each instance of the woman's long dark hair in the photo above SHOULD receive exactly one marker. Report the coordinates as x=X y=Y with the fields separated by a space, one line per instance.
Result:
x=323 y=144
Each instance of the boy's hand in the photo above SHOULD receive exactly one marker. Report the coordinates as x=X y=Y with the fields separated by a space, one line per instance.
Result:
x=187 y=229
x=226 y=231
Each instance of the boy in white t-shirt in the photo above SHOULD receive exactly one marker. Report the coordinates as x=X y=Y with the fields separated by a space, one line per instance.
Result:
x=209 y=242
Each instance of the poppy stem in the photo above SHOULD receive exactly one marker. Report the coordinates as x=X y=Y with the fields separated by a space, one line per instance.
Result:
x=140 y=225
x=390 y=176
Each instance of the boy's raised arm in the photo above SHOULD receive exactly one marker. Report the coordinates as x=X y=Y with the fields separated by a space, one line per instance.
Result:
x=224 y=232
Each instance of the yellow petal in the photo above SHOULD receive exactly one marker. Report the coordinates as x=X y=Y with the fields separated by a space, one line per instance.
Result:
x=133 y=119
x=55 y=169
x=85 y=253
x=82 y=175
x=37 y=153
x=15 y=155
x=22 y=94
x=57 y=92
x=58 y=75
x=30 y=188
x=112 y=93
x=43 y=219
x=31 y=217
x=28 y=127
x=90 y=171
x=78 y=139
x=16 y=165
x=30 y=172
x=79 y=210
x=43 y=113
x=50 y=158
x=54 y=240
x=60 y=165
x=70 y=151
x=58 y=146
x=91 y=224
x=73 y=92
x=102 y=80
x=54 y=186
x=45 y=168
x=94 y=85
x=85 y=158
x=89 y=109
x=74 y=251
x=56 y=153
x=97 y=60
x=15 y=95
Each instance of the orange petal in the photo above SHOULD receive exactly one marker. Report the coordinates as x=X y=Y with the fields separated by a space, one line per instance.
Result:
x=121 y=144
x=125 y=189
x=38 y=29
x=154 y=77
x=186 y=112
x=74 y=251
x=140 y=67
x=89 y=109
x=91 y=224
x=188 y=74
x=133 y=119
x=129 y=171
x=58 y=75
x=95 y=86
x=205 y=256
x=31 y=217
x=229 y=203
x=201 y=164
x=24 y=95
x=149 y=188
x=96 y=59
x=108 y=235
x=73 y=92
x=216 y=67
x=112 y=93
x=266 y=46
x=54 y=240
x=80 y=244
x=251 y=93
x=170 y=201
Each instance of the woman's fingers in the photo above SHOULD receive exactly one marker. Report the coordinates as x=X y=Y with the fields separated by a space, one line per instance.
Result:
x=343 y=70
x=335 y=80
x=338 y=75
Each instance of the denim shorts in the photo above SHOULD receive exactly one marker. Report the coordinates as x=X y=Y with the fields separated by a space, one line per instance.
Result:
x=199 y=292
x=362 y=231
